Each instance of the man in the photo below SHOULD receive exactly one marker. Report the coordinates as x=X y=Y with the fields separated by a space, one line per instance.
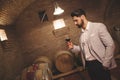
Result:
x=96 y=46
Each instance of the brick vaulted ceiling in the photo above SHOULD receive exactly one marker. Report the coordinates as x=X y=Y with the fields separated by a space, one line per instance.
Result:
x=11 y=9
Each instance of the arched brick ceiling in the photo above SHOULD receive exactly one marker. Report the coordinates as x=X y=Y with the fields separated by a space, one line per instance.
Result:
x=10 y=9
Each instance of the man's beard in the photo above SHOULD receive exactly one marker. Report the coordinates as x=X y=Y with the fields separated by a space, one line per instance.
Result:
x=80 y=25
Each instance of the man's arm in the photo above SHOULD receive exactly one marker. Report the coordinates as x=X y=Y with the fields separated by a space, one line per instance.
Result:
x=108 y=43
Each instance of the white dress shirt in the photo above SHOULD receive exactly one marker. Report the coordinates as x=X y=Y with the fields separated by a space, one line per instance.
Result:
x=84 y=42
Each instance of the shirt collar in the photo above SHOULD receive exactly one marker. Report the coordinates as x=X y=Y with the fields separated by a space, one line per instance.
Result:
x=87 y=27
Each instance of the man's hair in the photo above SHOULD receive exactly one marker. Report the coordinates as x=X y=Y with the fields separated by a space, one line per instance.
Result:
x=78 y=13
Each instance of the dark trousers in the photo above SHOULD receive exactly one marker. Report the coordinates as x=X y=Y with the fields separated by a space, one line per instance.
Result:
x=96 y=71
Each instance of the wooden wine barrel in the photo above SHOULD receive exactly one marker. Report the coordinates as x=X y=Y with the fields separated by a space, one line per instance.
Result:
x=44 y=59
x=64 y=61
x=44 y=68
x=43 y=72
x=35 y=70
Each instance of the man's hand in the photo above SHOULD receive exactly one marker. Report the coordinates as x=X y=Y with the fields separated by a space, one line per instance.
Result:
x=70 y=45
x=105 y=68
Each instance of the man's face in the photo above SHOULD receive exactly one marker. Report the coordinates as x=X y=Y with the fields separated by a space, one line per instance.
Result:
x=78 y=21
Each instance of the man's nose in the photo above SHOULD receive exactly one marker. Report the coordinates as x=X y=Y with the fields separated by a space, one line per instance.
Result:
x=75 y=23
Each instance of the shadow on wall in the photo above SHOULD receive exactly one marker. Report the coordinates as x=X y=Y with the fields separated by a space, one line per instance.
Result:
x=116 y=29
x=117 y=32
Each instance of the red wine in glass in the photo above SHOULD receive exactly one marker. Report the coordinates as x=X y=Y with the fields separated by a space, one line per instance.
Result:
x=67 y=39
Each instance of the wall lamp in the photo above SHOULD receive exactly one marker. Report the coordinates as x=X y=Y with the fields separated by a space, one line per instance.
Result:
x=58 y=10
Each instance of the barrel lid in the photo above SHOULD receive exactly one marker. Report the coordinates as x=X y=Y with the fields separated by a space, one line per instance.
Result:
x=64 y=61
x=63 y=52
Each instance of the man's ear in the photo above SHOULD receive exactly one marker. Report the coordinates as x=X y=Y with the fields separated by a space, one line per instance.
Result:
x=82 y=16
